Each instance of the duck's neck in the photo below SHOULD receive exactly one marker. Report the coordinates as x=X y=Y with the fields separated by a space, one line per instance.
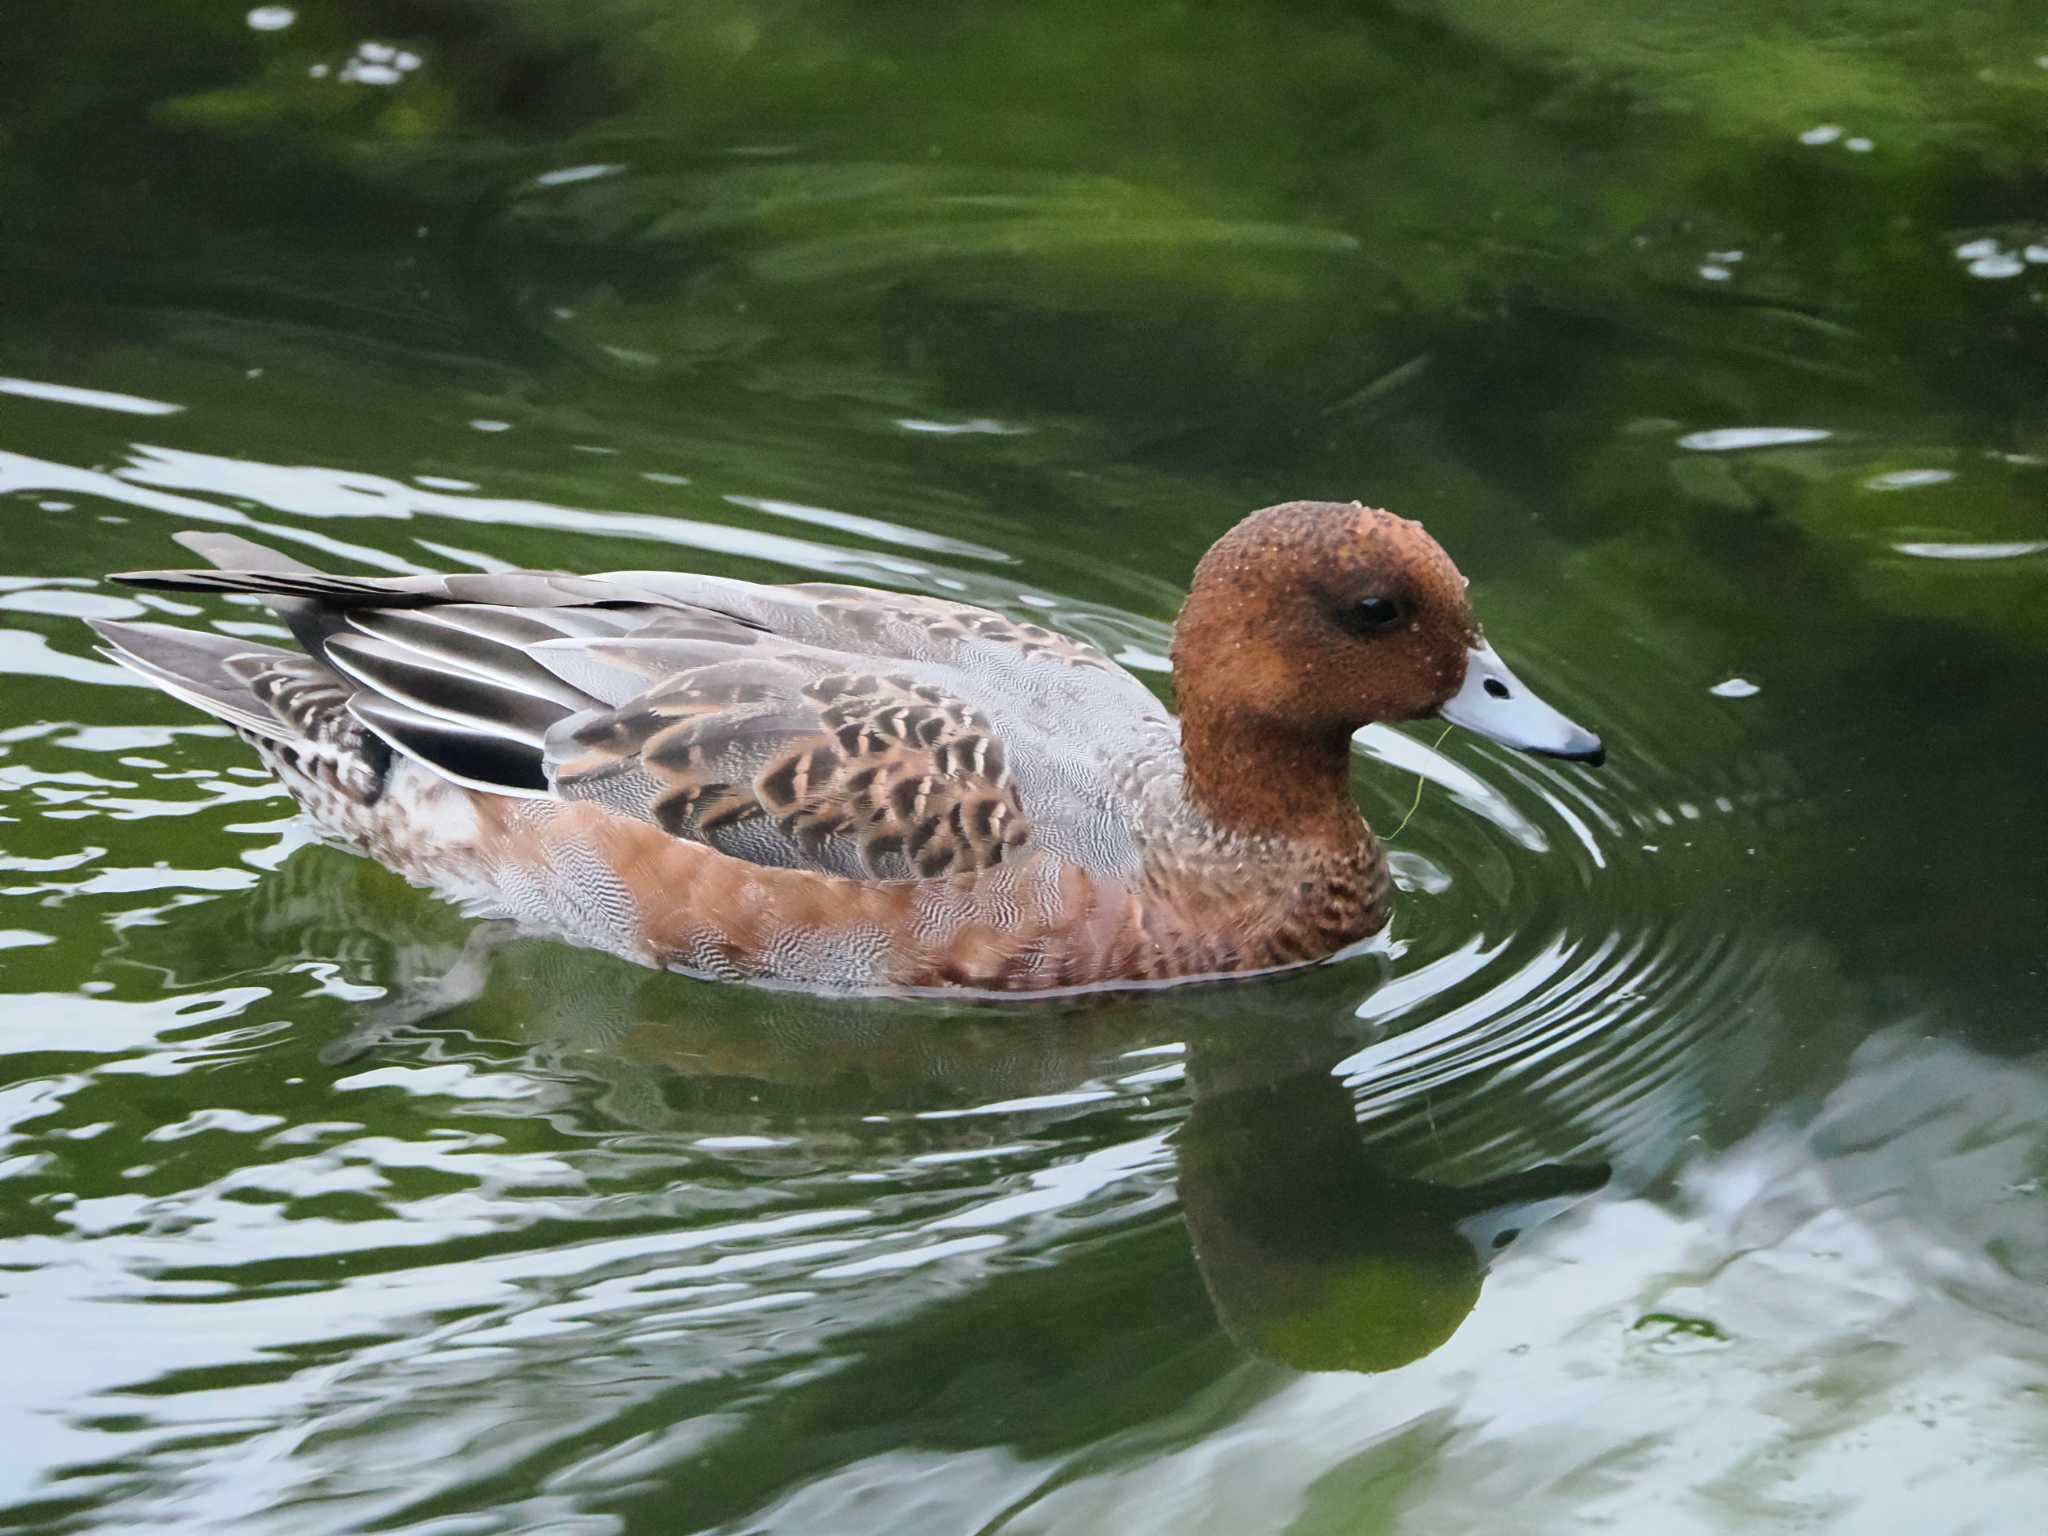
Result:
x=1256 y=778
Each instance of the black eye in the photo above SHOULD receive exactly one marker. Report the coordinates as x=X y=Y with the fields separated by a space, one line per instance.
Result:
x=1372 y=616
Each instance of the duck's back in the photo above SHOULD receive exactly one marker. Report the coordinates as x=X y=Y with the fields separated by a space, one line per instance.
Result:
x=866 y=734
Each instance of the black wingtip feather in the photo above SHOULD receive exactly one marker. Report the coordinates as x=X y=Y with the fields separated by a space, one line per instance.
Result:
x=469 y=757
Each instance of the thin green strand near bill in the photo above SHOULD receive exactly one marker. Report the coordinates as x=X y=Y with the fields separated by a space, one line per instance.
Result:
x=1416 y=804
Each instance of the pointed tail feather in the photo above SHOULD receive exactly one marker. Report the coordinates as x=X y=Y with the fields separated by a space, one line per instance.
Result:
x=307 y=600
x=230 y=551
x=384 y=591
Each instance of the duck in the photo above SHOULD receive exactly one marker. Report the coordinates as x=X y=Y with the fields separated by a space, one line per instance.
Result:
x=842 y=788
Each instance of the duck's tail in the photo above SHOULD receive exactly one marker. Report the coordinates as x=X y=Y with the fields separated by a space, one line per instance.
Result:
x=209 y=671
x=290 y=705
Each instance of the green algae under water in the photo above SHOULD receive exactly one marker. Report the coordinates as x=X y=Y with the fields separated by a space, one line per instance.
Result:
x=1679 y=1165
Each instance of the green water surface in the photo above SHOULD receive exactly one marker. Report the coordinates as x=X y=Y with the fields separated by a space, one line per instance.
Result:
x=1677 y=1166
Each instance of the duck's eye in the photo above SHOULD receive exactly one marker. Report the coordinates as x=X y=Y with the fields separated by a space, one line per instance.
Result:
x=1372 y=615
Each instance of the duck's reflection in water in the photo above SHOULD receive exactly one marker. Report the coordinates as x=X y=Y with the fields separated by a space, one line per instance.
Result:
x=1318 y=1251
x=1317 y=1254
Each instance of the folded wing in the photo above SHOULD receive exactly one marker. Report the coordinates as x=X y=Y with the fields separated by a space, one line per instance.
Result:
x=793 y=727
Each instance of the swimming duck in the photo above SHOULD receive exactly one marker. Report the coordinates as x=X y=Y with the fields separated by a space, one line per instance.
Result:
x=844 y=788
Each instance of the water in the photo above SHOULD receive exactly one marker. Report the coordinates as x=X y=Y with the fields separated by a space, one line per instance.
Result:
x=1709 y=340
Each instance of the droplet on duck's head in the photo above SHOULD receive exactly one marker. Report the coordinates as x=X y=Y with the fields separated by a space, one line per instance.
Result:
x=1324 y=616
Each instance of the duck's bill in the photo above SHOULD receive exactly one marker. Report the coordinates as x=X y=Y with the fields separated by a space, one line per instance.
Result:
x=1499 y=706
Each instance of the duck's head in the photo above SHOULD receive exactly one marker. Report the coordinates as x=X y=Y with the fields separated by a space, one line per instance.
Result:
x=1310 y=619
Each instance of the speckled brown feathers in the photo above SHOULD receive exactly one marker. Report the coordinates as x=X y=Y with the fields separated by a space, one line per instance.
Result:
x=866 y=774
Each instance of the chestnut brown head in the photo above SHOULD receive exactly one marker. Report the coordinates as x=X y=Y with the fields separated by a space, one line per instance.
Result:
x=1315 y=618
